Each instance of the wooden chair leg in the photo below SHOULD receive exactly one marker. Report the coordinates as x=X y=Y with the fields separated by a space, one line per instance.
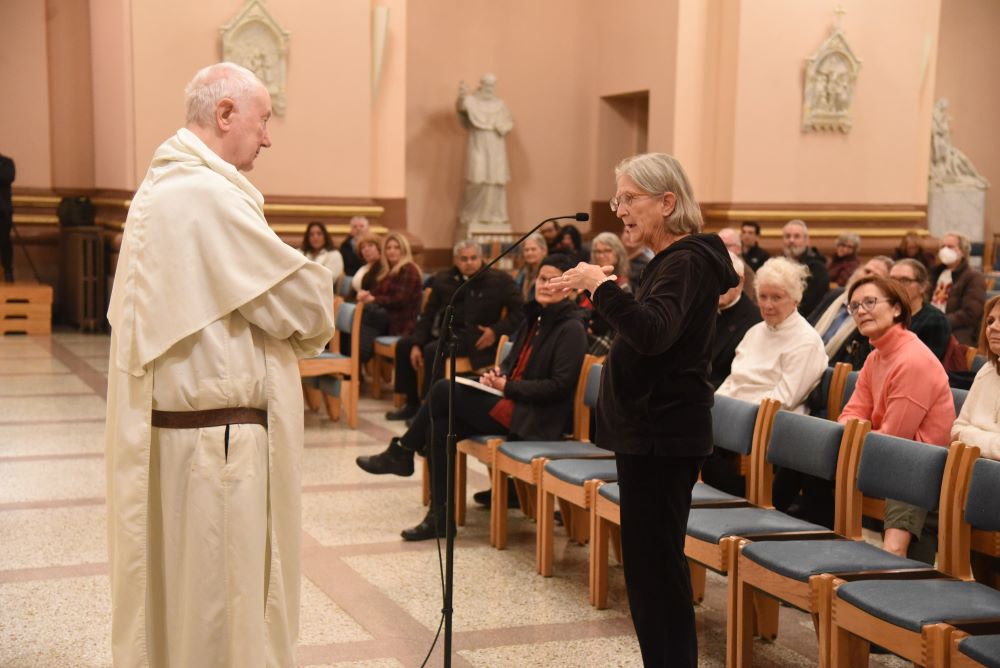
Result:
x=353 y=392
x=822 y=586
x=743 y=611
x=498 y=510
x=765 y=615
x=544 y=534
x=313 y=397
x=847 y=650
x=332 y=407
x=581 y=528
x=599 y=562
x=376 y=388
x=524 y=498
x=616 y=542
x=731 y=546
x=697 y=581
x=425 y=492
x=461 y=463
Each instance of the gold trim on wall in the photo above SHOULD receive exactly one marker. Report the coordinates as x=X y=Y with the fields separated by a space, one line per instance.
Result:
x=336 y=210
x=761 y=215
x=833 y=232
x=35 y=219
x=36 y=201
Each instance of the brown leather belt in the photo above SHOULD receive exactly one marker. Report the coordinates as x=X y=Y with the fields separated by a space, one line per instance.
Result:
x=215 y=417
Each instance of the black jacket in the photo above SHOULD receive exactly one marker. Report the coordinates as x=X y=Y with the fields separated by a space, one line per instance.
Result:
x=655 y=395
x=7 y=174
x=543 y=397
x=818 y=283
x=965 y=301
x=731 y=326
x=352 y=261
x=755 y=257
x=480 y=303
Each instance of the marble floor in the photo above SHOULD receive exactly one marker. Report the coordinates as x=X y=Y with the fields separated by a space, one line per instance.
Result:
x=368 y=599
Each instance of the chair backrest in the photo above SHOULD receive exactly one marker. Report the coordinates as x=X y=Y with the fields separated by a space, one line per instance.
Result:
x=504 y=346
x=981 y=511
x=849 y=384
x=835 y=399
x=733 y=424
x=344 y=321
x=977 y=363
x=343 y=286
x=347 y=320
x=959 y=396
x=978 y=527
x=587 y=388
x=901 y=469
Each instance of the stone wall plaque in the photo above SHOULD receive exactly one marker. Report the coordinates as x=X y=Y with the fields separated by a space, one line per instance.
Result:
x=254 y=40
x=828 y=93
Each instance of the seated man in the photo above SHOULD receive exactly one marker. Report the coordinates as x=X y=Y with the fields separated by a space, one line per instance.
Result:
x=753 y=255
x=531 y=397
x=796 y=247
x=478 y=323
x=737 y=314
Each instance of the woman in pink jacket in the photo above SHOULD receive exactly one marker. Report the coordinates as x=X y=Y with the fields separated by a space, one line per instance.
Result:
x=903 y=390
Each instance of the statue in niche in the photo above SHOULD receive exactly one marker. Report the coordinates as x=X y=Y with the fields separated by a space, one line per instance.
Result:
x=254 y=40
x=488 y=121
x=829 y=84
x=950 y=168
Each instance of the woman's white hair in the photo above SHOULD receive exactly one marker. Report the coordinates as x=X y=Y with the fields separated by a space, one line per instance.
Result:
x=214 y=83
x=659 y=173
x=611 y=240
x=785 y=274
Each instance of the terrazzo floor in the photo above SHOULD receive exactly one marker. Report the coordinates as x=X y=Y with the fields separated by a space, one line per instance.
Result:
x=369 y=600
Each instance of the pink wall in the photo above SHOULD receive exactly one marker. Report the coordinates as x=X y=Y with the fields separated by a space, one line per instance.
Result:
x=968 y=62
x=24 y=113
x=322 y=146
x=114 y=101
x=884 y=158
x=388 y=177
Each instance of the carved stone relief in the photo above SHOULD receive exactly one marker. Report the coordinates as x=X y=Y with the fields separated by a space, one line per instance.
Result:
x=830 y=77
x=254 y=40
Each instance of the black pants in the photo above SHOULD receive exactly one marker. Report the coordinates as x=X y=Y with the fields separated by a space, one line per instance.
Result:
x=804 y=496
x=406 y=375
x=6 y=247
x=374 y=323
x=655 y=503
x=472 y=408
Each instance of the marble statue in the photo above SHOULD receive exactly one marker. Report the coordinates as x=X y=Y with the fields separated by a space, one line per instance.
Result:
x=949 y=166
x=488 y=121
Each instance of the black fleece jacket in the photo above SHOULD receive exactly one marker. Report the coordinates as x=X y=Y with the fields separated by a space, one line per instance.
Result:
x=543 y=397
x=655 y=396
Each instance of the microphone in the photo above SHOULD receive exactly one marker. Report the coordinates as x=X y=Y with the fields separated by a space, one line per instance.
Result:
x=579 y=216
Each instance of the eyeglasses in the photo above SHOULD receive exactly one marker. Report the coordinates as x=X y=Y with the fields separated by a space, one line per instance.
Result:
x=626 y=200
x=904 y=280
x=868 y=304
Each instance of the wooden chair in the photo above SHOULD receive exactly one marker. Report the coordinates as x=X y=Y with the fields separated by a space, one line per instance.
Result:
x=974 y=650
x=572 y=482
x=916 y=618
x=738 y=427
x=836 y=398
x=385 y=352
x=481 y=447
x=793 y=571
x=524 y=460
x=330 y=365
x=809 y=445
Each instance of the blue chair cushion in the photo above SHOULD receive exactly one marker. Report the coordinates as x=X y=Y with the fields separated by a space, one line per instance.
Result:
x=387 y=340
x=525 y=451
x=611 y=492
x=800 y=559
x=714 y=524
x=984 y=649
x=579 y=471
x=703 y=493
x=914 y=604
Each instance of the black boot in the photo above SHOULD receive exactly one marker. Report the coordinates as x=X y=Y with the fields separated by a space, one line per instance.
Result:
x=8 y=275
x=394 y=459
x=405 y=413
x=432 y=526
x=485 y=497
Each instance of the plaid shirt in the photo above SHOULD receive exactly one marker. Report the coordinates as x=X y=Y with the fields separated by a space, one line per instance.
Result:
x=399 y=294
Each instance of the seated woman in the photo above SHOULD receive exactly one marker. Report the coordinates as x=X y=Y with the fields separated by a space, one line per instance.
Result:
x=903 y=390
x=928 y=323
x=845 y=260
x=318 y=247
x=392 y=306
x=783 y=357
x=606 y=249
x=911 y=247
x=533 y=251
x=979 y=422
x=537 y=379
x=370 y=250
x=780 y=358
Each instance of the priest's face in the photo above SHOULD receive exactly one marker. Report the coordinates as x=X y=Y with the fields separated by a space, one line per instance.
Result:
x=248 y=129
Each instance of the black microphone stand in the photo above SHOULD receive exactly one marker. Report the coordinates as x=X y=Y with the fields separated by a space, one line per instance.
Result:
x=449 y=499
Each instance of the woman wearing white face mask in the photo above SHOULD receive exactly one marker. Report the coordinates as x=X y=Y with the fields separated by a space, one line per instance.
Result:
x=959 y=290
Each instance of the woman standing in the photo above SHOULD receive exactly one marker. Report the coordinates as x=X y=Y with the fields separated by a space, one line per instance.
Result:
x=393 y=304
x=903 y=390
x=655 y=403
x=318 y=247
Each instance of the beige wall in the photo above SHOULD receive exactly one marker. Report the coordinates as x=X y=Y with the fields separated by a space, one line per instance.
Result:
x=968 y=63
x=24 y=113
x=884 y=157
x=114 y=100
x=388 y=163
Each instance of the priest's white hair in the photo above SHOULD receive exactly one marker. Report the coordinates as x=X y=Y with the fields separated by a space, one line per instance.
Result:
x=214 y=83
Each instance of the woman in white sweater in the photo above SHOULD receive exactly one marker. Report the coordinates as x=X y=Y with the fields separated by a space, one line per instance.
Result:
x=782 y=357
x=979 y=422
